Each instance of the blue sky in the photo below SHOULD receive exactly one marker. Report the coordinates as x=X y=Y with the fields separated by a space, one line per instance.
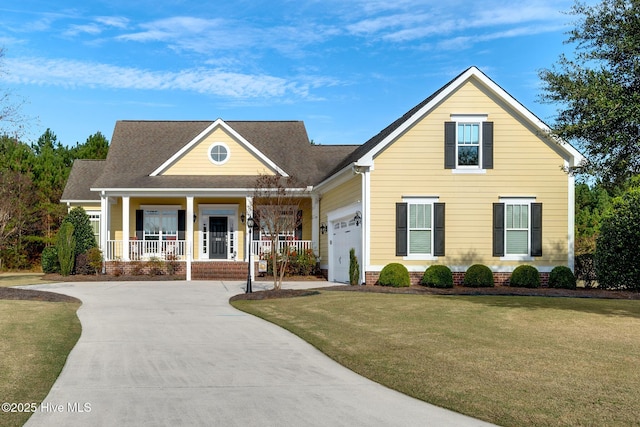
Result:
x=346 y=68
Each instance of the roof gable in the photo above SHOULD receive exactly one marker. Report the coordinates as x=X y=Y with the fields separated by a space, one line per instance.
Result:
x=365 y=154
x=191 y=159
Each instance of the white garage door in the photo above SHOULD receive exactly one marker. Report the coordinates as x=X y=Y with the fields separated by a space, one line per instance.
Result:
x=346 y=235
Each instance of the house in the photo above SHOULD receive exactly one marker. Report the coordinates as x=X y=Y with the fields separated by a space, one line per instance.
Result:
x=467 y=176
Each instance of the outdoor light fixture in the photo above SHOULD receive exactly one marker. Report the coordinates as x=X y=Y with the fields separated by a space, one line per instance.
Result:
x=250 y=226
x=358 y=217
x=323 y=228
x=194 y=217
x=242 y=217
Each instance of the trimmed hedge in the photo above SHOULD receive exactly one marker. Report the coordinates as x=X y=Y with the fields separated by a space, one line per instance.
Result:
x=438 y=276
x=525 y=276
x=562 y=277
x=478 y=276
x=394 y=274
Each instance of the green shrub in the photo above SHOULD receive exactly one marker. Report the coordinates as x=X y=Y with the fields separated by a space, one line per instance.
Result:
x=617 y=258
x=562 y=277
x=395 y=275
x=94 y=259
x=66 y=246
x=438 y=276
x=478 y=276
x=354 y=268
x=525 y=276
x=82 y=230
x=50 y=262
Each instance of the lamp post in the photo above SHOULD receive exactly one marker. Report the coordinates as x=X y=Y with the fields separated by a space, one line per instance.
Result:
x=250 y=225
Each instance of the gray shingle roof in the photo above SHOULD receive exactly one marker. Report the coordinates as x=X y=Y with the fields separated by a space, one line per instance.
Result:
x=83 y=173
x=139 y=147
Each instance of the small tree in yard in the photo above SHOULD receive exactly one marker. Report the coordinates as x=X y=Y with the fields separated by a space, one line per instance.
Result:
x=276 y=203
x=66 y=246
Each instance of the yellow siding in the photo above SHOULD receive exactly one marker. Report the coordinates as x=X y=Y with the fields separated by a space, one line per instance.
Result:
x=196 y=160
x=343 y=195
x=524 y=165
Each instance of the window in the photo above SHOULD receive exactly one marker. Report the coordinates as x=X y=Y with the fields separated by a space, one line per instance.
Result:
x=517 y=229
x=94 y=220
x=219 y=153
x=468 y=144
x=420 y=228
x=160 y=225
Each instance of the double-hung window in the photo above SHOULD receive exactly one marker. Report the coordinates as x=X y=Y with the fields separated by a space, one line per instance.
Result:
x=468 y=143
x=160 y=224
x=420 y=228
x=517 y=228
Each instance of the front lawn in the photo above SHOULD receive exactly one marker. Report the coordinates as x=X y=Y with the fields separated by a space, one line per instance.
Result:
x=35 y=339
x=513 y=361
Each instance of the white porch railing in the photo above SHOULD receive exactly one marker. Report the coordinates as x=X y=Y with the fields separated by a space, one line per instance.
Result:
x=262 y=247
x=146 y=249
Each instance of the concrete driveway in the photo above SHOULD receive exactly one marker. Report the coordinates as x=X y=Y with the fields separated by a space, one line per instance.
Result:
x=176 y=353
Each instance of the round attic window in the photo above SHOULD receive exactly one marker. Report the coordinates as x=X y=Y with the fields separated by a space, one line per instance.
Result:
x=218 y=153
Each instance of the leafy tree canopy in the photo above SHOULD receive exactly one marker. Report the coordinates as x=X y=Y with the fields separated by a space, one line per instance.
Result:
x=598 y=88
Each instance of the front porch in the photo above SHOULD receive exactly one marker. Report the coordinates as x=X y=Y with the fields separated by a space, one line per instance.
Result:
x=175 y=250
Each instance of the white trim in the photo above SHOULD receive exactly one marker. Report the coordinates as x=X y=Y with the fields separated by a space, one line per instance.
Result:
x=189 y=236
x=571 y=218
x=463 y=268
x=219 y=144
x=469 y=118
x=126 y=226
x=218 y=123
x=468 y=170
x=233 y=223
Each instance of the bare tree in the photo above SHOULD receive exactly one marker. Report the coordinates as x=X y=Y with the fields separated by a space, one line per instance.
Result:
x=15 y=192
x=11 y=120
x=276 y=206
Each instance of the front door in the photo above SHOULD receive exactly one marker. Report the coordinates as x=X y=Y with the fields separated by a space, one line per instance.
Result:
x=218 y=237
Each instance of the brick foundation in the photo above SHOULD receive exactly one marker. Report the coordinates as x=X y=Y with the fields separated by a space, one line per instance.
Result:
x=499 y=278
x=200 y=270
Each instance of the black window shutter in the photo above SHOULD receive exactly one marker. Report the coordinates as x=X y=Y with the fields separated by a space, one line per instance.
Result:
x=536 y=229
x=182 y=225
x=449 y=145
x=438 y=229
x=487 y=145
x=401 y=229
x=498 y=229
x=299 y=225
x=139 y=224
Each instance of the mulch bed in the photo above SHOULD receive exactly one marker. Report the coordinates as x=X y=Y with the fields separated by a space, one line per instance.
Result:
x=33 y=295
x=458 y=290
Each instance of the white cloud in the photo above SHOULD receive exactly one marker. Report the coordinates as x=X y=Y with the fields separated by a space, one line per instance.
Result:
x=72 y=74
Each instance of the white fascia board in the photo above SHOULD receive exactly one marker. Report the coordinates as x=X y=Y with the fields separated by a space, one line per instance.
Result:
x=179 y=192
x=79 y=201
x=218 y=123
x=341 y=176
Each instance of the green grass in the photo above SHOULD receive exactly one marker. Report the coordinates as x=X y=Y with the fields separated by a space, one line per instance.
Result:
x=35 y=339
x=21 y=279
x=513 y=361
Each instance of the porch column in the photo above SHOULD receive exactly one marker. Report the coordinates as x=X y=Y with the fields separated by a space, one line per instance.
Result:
x=125 y=228
x=189 y=235
x=366 y=224
x=315 y=222
x=104 y=207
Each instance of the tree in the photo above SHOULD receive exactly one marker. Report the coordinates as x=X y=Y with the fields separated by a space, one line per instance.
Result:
x=11 y=120
x=599 y=88
x=592 y=203
x=82 y=230
x=66 y=246
x=95 y=147
x=276 y=206
x=617 y=258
